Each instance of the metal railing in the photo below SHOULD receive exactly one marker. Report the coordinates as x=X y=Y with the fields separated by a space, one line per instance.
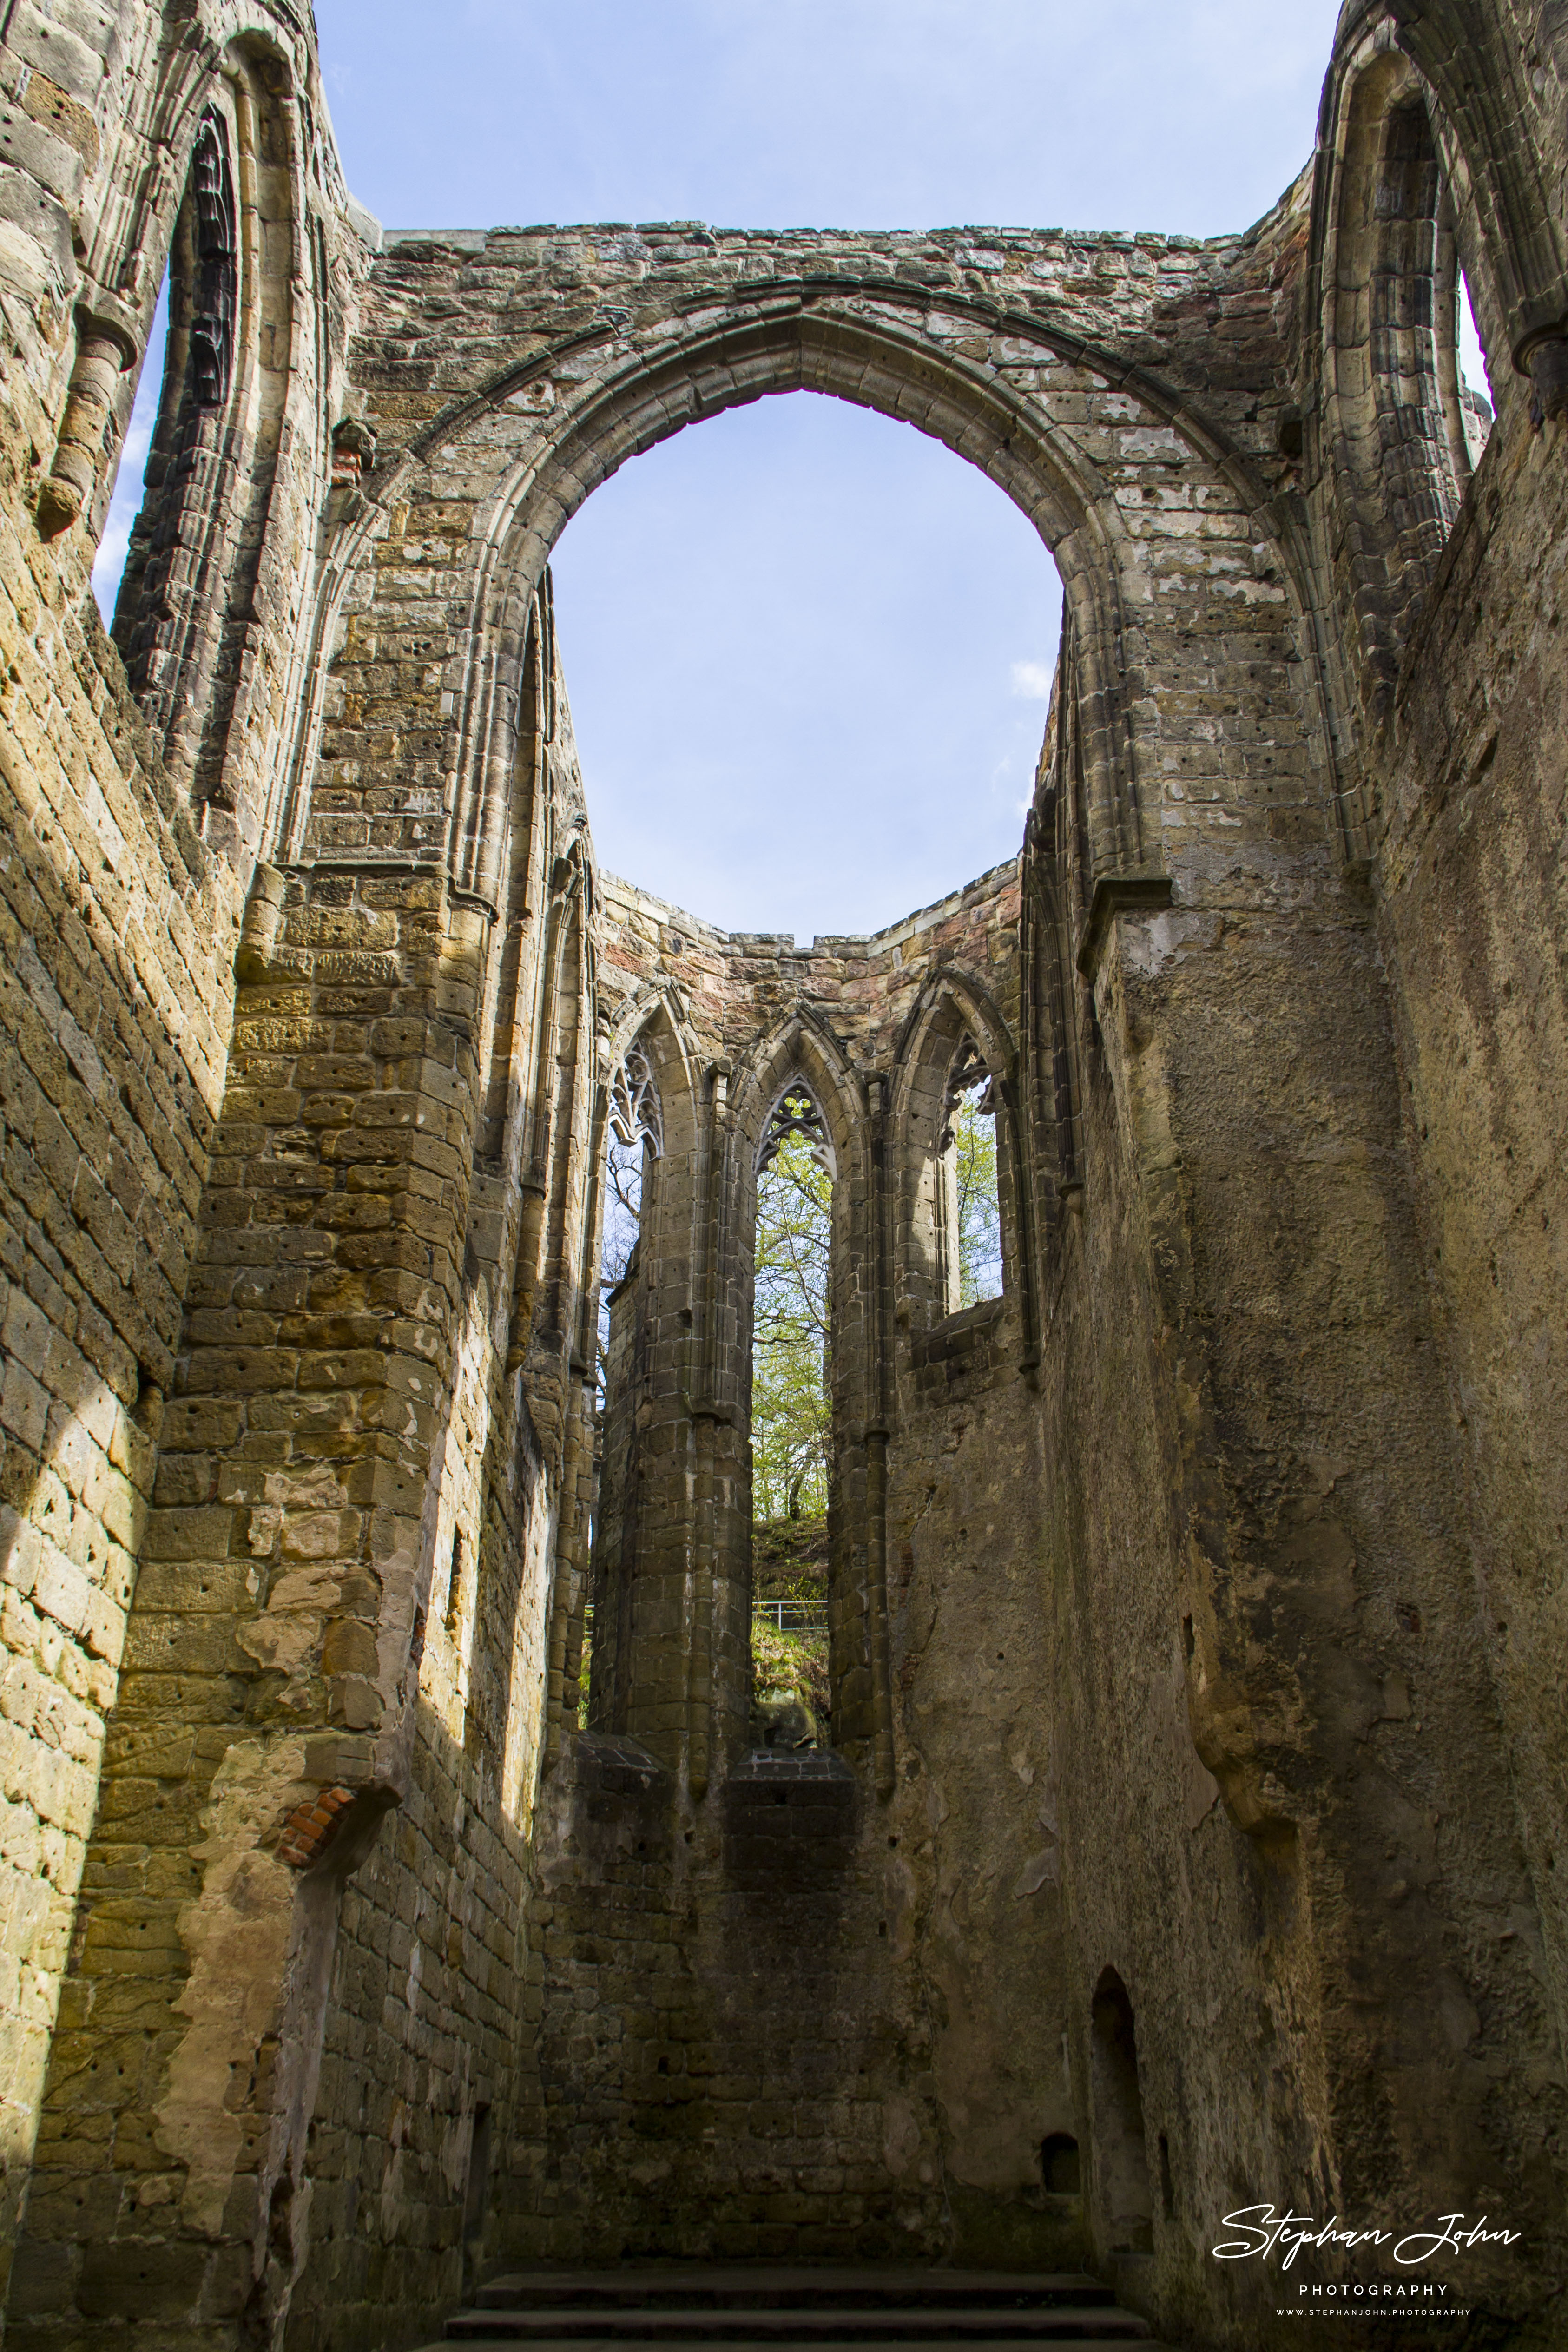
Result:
x=793 y=1616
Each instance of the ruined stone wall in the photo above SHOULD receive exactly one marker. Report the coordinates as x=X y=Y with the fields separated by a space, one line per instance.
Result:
x=1470 y=898
x=772 y=1990
x=1292 y=1602
x=1191 y=1608
x=124 y=905
x=426 y=2059
x=109 y=1108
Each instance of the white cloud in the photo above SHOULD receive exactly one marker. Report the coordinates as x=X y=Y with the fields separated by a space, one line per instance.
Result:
x=1032 y=681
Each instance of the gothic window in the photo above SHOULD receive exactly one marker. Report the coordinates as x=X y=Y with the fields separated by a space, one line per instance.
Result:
x=636 y=1132
x=972 y=1214
x=634 y=1143
x=187 y=593
x=792 y=1422
x=216 y=272
x=1403 y=428
x=201 y=294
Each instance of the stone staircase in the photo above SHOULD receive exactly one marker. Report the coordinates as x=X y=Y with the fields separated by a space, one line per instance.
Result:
x=782 y=2308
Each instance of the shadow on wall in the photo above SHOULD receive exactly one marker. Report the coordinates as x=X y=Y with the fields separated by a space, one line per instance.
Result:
x=1126 y=2205
x=102 y=1152
x=71 y=1525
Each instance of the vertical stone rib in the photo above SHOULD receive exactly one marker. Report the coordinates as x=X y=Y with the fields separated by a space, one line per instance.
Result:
x=877 y=1442
x=565 y=1604
x=706 y=1411
x=102 y=357
x=540 y=1109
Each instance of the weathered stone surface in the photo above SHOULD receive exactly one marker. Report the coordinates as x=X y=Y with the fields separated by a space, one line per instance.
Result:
x=1198 y=1793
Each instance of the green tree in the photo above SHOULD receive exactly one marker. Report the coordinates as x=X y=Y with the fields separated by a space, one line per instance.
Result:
x=791 y=1418
x=979 y=1212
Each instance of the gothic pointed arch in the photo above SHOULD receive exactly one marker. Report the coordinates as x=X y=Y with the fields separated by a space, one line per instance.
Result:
x=533 y=439
x=953 y=1038
x=1500 y=109
x=800 y=1047
x=1395 y=429
x=225 y=472
x=652 y=1019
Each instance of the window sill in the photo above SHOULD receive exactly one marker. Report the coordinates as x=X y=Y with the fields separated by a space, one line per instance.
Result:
x=958 y=1335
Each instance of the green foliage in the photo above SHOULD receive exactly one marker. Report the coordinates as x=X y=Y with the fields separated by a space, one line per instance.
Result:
x=790 y=1411
x=791 y=1662
x=979 y=1215
x=789 y=1558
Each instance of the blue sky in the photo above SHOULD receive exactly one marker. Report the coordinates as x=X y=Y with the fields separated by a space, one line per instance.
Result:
x=807 y=649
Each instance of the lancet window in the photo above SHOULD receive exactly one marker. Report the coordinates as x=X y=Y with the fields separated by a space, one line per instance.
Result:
x=971 y=1213
x=636 y=1132
x=187 y=595
x=792 y=1422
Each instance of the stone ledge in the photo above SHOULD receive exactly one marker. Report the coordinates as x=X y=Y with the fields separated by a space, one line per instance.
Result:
x=1139 y=892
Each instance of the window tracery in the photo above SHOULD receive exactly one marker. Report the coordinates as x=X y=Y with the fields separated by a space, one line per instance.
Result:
x=212 y=318
x=634 y=1108
x=969 y=1081
x=796 y=1112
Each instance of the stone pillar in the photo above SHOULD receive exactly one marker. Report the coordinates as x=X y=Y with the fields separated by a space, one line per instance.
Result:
x=267 y=1709
x=673 y=1562
x=104 y=352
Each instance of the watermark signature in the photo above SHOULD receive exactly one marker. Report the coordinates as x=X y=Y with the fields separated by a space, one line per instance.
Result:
x=1265 y=2231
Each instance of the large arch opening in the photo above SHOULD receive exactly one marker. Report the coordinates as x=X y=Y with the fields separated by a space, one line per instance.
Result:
x=818 y=1579
x=1102 y=462
x=891 y=364
x=809 y=660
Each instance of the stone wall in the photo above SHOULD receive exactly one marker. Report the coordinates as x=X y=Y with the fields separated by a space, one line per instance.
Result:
x=1196 y=1794
x=772 y=1990
x=123 y=901
x=1470 y=904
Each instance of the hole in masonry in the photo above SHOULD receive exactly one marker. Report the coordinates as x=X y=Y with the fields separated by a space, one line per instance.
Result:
x=1059 y=2164
x=1121 y=2155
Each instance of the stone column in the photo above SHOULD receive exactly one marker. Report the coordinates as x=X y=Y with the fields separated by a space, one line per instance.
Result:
x=267 y=1710
x=104 y=352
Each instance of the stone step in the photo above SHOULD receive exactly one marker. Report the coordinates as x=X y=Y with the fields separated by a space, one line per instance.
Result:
x=701 y=2307
x=769 y=2287
x=947 y=2323
x=1092 y=2333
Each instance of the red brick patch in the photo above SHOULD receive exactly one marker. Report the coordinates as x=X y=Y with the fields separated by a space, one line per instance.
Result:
x=309 y=1828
